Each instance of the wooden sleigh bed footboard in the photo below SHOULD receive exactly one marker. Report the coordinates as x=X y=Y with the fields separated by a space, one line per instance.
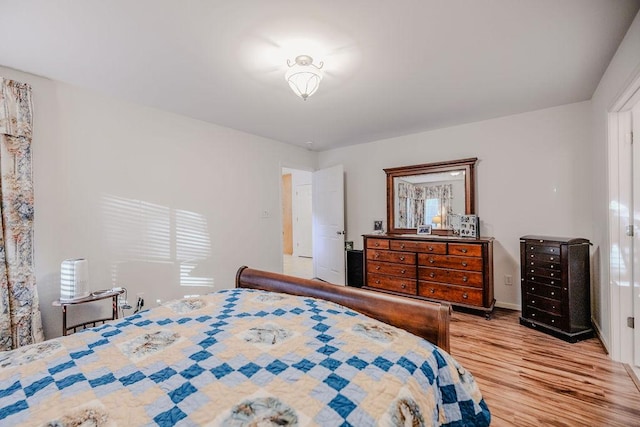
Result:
x=425 y=319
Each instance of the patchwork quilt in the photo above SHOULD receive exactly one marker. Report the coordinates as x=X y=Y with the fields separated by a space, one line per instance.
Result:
x=239 y=357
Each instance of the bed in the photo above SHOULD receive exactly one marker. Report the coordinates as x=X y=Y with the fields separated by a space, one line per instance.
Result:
x=274 y=350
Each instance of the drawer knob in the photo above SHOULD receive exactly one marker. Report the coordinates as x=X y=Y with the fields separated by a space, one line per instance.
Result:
x=377 y=282
x=533 y=289
x=552 y=274
x=465 y=296
x=463 y=250
x=430 y=248
x=401 y=258
x=533 y=315
x=401 y=245
x=377 y=256
x=551 y=258
x=553 y=293
x=532 y=270
x=551 y=265
x=553 y=306
x=533 y=301
x=377 y=267
x=432 y=290
x=465 y=278
x=403 y=286
x=553 y=282
x=553 y=320
x=431 y=260
x=464 y=264
x=432 y=274
x=377 y=244
x=531 y=255
x=403 y=271
x=532 y=263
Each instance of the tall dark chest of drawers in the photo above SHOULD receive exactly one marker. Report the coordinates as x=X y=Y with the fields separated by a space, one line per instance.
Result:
x=555 y=281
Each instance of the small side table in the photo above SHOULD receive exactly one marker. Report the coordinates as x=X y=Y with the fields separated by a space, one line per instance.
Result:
x=94 y=296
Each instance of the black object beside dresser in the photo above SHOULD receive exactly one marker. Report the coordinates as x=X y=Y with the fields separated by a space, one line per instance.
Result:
x=555 y=278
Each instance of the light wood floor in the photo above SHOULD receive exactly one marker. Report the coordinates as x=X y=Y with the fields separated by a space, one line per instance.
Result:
x=529 y=378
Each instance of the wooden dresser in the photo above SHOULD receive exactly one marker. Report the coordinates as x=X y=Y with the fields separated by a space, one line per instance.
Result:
x=555 y=280
x=440 y=268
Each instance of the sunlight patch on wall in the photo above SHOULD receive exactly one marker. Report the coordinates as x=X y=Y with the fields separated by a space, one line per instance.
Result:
x=139 y=231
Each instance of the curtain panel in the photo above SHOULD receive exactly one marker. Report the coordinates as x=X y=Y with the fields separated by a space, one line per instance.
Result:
x=20 y=321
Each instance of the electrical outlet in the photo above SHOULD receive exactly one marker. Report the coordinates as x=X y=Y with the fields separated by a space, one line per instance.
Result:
x=508 y=279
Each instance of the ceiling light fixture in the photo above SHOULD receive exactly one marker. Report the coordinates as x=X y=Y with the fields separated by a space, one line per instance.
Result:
x=303 y=76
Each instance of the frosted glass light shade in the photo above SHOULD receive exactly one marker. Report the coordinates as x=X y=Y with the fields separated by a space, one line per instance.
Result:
x=303 y=77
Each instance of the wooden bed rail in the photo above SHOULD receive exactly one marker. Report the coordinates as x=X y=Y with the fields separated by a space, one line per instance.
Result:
x=426 y=319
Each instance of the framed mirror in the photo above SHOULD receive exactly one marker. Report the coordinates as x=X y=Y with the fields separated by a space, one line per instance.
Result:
x=429 y=194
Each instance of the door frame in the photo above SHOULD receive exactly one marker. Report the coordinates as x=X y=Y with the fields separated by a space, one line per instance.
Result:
x=620 y=177
x=280 y=200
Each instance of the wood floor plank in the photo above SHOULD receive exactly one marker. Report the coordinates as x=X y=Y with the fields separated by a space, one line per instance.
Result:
x=529 y=378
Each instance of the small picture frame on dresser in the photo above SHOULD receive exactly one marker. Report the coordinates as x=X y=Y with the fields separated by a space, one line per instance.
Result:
x=424 y=229
x=469 y=226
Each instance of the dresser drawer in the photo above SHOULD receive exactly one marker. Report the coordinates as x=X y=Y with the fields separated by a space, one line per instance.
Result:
x=392 y=256
x=390 y=283
x=378 y=243
x=447 y=261
x=544 y=272
x=543 y=258
x=400 y=270
x=456 y=294
x=552 y=306
x=542 y=249
x=542 y=264
x=441 y=275
x=465 y=249
x=546 y=291
x=542 y=317
x=428 y=247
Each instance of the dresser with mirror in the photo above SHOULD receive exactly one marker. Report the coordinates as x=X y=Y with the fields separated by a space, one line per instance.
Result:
x=439 y=266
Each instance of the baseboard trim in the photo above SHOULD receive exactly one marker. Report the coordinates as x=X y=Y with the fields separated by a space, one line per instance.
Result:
x=508 y=306
x=598 y=331
x=633 y=374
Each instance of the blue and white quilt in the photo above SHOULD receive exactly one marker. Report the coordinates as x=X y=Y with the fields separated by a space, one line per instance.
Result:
x=239 y=357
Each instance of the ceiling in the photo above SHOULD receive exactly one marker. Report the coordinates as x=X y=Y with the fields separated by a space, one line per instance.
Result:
x=391 y=67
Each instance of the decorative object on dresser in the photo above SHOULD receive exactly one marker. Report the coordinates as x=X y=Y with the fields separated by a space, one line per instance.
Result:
x=555 y=281
x=440 y=268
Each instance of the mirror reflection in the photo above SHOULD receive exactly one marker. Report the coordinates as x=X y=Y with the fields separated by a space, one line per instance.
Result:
x=430 y=194
x=429 y=199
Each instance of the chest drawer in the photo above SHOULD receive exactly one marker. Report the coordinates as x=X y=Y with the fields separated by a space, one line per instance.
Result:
x=465 y=249
x=544 y=272
x=392 y=256
x=447 y=261
x=542 y=316
x=441 y=275
x=427 y=247
x=401 y=270
x=553 y=306
x=458 y=294
x=543 y=249
x=546 y=291
x=390 y=283
x=377 y=243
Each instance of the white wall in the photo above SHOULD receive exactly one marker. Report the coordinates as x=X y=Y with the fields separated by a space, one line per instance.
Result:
x=532 y=178
x=622 y=68
x=96 y=158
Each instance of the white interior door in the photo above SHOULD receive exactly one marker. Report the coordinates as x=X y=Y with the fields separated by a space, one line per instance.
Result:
x=328 y=224
x=303 y=215
x=635 y=118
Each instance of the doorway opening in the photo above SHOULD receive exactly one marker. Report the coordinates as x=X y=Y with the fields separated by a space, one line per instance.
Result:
x=297 y=232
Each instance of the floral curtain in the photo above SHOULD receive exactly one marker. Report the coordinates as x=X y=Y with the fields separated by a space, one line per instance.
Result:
x=412 y=203
x=20 y=322
x=444 y=193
